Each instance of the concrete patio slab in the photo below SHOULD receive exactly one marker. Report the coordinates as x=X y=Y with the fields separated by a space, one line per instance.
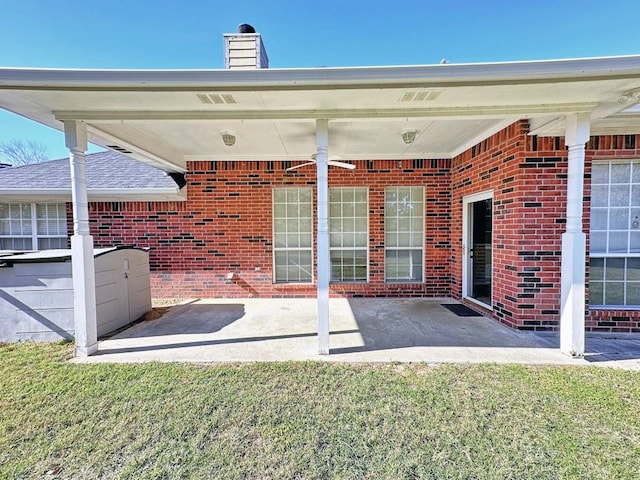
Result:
x=362 y=330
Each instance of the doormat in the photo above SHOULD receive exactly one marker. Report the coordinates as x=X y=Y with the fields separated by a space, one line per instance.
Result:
x=460 y=310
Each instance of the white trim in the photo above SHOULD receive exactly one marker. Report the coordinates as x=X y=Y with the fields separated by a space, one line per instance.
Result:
x=348 y=77
x=466 y=239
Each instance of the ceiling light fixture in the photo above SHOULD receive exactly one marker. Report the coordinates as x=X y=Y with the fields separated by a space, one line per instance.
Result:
x=409 y=135
x=229 y=139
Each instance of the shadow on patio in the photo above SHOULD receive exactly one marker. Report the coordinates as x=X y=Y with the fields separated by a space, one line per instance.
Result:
x=362 y=330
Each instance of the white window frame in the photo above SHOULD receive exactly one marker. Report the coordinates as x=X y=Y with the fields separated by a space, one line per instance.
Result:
x=277 y=249
x=635 y=165
x=35 y=237
x=411 y=232
x=341 y=248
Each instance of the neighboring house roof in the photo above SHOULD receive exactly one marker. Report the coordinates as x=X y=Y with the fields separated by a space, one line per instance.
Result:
x=110 y=177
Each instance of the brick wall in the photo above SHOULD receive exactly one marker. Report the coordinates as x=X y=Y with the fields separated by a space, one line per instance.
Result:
x=225 y=226
x=528 y=219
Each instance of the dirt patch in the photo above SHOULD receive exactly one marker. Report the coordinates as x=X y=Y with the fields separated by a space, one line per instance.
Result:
x=155 y=313
x=165 y=302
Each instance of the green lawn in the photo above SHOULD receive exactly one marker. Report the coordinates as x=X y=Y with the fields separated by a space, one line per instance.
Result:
x=313 y=420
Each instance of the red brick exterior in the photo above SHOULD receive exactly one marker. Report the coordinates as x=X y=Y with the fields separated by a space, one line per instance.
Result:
x=528 y=220
x=225 y=226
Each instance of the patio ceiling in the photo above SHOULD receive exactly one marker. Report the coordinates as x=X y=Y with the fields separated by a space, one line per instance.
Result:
x=169 y=117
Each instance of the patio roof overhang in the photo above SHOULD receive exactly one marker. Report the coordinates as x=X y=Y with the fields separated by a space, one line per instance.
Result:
x=167 y=117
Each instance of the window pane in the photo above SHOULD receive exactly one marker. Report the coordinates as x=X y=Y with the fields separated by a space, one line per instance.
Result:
x=636 y=172
x=600 y=196
x=292 y=196
x=596 y=270
x=634 y=246
x=279 y=211
x=305 y=210
x=305 y=195
x=614 y=293
x=619 y=196
x=633 y=269
x=598 y=219
x=618 y=242
x=620 y=173
x=600 y=173
x=598 y=242
x=619 y=218
x=595 y=293
x=360 y=195
x=305 y=239
x=391 y=239
x=633 y=293
x=635 y=194
x=292 y=210
x=614 y=269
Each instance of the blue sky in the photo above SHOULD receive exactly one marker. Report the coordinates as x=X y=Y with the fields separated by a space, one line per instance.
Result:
x=304 y=33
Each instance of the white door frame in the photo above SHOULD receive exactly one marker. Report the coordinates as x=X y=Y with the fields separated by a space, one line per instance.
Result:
x=467 y=225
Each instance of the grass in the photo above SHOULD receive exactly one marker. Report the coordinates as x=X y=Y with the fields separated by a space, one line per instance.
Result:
x=313 y=420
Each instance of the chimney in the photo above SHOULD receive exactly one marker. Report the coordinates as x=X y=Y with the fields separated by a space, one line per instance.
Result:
x=244 y=50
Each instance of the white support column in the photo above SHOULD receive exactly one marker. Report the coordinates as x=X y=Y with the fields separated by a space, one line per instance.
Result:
x=572 y=303
x=322 y=166
x=83 y=268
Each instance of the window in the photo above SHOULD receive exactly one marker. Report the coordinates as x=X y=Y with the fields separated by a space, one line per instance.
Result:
x=404 y=233
x=614 y=278
x=292 y=235
x=348 y=234
x=31 y=226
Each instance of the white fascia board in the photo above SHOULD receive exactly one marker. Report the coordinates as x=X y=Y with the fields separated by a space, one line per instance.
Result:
x=350 y=77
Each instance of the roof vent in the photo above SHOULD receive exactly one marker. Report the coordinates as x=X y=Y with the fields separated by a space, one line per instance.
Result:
x=118 y=148
x=246 y=28
x=217 y=98
x=420 y=96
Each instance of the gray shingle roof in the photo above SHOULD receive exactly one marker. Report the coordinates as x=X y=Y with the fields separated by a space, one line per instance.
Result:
x=104 y=170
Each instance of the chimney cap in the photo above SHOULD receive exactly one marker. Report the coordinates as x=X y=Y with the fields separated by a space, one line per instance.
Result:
x=246 y=28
